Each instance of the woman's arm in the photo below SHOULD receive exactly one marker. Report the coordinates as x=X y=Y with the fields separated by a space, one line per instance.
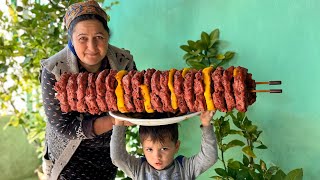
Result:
x=73 y=125
x=103 y=124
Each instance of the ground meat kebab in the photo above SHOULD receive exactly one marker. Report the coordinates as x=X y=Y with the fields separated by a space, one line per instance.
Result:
x=149 y=91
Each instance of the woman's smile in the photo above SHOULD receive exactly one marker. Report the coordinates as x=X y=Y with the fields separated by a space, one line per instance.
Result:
x=90 y=41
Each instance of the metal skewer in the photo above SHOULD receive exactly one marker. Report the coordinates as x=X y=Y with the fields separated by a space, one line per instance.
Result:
x=270 y=91
x=270 y=82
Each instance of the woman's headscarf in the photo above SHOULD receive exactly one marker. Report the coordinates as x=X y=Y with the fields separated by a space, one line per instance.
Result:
x=81 y=8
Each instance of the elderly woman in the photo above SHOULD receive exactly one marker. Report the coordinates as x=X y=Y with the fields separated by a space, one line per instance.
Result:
x=77 y=144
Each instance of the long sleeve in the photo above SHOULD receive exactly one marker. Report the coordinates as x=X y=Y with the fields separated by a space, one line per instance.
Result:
x=207 y=156
x=119 y=155
x=73 y=125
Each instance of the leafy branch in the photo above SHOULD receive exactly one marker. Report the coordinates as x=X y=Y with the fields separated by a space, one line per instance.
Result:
x=206 y=52
x=247 y=168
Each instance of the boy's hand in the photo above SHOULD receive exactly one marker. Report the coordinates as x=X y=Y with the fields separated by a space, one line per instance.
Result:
x=119 y=122
x=206 y=117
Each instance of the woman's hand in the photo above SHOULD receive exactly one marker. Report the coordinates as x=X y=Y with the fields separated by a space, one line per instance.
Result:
x=103 y=124
x=206 y=117
x=119 y=122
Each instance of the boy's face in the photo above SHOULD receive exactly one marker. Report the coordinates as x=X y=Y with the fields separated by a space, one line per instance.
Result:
x=158 y=155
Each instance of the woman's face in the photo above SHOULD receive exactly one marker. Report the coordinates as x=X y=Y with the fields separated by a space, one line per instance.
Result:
x=90 y=40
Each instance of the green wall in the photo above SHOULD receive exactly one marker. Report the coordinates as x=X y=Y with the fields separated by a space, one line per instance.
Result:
x=275 y=40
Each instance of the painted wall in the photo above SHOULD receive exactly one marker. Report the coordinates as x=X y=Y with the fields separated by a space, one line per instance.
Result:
x=275 y=40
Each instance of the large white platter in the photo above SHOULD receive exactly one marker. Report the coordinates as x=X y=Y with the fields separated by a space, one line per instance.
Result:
x=152 y=122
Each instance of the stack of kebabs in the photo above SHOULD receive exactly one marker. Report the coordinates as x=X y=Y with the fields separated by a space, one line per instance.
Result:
x=154 y=91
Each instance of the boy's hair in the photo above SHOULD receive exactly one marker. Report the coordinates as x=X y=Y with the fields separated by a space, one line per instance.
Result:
x=159 y=133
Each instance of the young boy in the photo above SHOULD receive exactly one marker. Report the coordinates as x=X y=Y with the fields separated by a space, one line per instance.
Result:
x=160 y=144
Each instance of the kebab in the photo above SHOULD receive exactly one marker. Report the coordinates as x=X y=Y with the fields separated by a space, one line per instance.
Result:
x=154 y=91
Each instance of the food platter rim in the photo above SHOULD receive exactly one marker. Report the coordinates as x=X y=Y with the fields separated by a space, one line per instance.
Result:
x=152 y=122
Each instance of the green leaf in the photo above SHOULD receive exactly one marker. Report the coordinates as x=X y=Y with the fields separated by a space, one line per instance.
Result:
x=262 y=146
x=213 y=42
x=188 y=56
x=221 y=172
x=234 y=143
x=234 y=165
x=273 y=169
x=205 y=38
x=251 y=128
x=229 y=55
x=3 y=68
x=280 y=175
x=254 y=175
x=232 y=172
x=246 y=122
x=195 y=64
x=216 y=177
x=19 y=8
x=257 y=167
x=263 y=165
x=220 y=57
x=240 y=116
x=200 y=45
x=247 y=150
x=295 y=174
x=195 y=59
x=258 y=134
x=243 y=174
x=15 y=122
x=225 y=128
x=186 y=48
x=212 y=52
x=191 y=44
x=24 y=2
x=26 y=61
x=214 y=34
x=245 y=160
x=232 y=131
x=236 y=121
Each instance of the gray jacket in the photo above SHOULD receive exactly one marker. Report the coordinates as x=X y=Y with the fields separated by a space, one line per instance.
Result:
x=187 y=169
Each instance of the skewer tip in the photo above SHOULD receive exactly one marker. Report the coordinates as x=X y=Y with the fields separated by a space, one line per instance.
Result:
x=275 y=90
x=274 y=82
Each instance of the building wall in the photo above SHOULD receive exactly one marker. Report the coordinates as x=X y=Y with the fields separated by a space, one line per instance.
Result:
x=275 y=40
